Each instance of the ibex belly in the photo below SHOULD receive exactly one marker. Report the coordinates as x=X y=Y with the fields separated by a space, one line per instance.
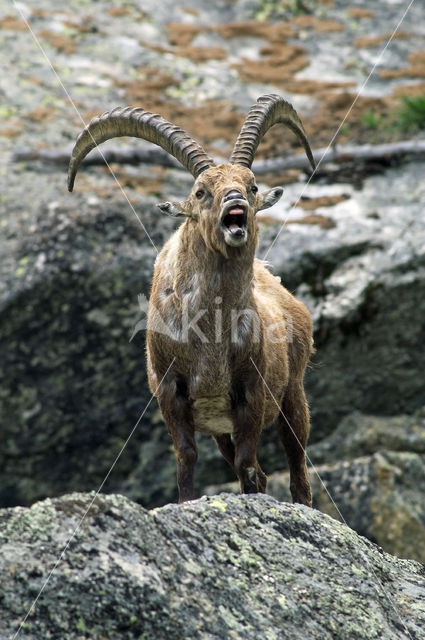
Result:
x=212 y=415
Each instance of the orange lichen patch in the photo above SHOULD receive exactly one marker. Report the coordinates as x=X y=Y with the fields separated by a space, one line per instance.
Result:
x=12 y=24
x=118 y=12
x=373 y=41
x=89 y=185
x=278 y=53
x=316 y=219
x=87 y=116
x=334 y=107
x=276 y=180
x=310 y=204
x=277 y=67
x=59 y=42
x=356 y=12
x=317 y=88
x=151 y=184
x=271 y=32
x=190 y=11
x=410 y=90
x=182 y=34
x=13 y=130
x=151 y=80
x=223 y=120
x=267 y=220
x=337 y=105
x=201 y=54
x=319 y=25
x=41 y=114
x=415 y=70
x=33 y=79
x=197 y=54
x=85 y=26
x=40 y=13
x=160 y=48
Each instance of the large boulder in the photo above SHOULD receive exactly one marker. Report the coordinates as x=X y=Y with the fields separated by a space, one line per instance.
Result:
x=363 y=280
x=359 y=435
x=370 y=474
x=93 y=566
x=72 y=384
x=379 y=496
x=72 y=387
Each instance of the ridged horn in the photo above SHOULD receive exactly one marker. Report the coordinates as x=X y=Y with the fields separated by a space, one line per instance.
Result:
x=143 y=124
x=268 y=111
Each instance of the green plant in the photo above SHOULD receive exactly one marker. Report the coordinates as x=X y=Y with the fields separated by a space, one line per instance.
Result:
x=371 y=119
x=412 y=113
x=345 y=130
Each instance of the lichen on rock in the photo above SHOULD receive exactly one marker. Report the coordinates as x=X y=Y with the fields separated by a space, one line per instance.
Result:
x=251 y=568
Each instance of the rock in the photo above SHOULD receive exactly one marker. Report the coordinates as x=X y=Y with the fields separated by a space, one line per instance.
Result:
x=379 y=496
x=72 y=385
x=359 y=435
x=77 y=272
x=369 y=473
x=71 y=266
x=364 y=283
x=224 y=567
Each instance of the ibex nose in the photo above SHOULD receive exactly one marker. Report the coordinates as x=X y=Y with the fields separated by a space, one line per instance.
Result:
x=233 y=195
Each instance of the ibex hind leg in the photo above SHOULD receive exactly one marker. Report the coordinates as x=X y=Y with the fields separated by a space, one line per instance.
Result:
x=227 y=450
x=293 y=427
x=252 y=479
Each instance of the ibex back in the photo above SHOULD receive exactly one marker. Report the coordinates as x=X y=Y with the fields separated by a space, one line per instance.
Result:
x=232 y=358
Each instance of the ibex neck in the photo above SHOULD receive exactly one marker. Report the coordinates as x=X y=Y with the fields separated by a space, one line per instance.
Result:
x=213 y=274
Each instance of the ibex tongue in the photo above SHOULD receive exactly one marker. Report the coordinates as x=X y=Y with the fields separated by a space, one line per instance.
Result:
x=236 y=230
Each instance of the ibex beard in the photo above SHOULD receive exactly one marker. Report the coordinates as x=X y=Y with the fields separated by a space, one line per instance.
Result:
x=252 y=376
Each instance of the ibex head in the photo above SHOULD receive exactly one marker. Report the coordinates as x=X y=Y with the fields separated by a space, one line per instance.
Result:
x=224 y=198
x=223 y=203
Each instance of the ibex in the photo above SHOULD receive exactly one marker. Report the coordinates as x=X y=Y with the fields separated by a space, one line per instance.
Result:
x=233 y=358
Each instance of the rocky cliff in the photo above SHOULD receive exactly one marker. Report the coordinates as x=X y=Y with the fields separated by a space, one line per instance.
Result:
x=72 y=385
x=224 y=567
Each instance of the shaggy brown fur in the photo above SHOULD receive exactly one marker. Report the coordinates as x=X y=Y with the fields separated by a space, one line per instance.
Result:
x=238 y=342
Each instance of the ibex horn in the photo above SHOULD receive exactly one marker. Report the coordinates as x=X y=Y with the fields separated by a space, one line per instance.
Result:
x=139 y=123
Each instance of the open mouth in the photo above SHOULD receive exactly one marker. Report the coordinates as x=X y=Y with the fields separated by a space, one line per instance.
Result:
x=234 y=223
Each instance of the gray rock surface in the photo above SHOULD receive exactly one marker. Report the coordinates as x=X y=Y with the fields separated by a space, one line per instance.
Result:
x=379 y=496
x=225 y=567
x=364 y=282
x=370 y=474
x=71 y=266
x=359 y=435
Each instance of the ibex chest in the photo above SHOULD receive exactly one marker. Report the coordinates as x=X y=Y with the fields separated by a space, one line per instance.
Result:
x=212 y=415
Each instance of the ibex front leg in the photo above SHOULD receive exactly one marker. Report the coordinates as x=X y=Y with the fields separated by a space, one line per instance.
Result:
x=177 y=412
x=248 y=412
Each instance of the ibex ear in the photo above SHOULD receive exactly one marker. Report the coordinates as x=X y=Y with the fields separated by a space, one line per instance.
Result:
x=173 y=209
x=270 y=198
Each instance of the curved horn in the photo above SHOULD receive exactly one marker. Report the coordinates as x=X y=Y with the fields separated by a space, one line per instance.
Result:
x=139 y=123
x=268 y=111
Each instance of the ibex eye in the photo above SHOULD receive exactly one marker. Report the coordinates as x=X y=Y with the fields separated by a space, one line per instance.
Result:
x=254 y=188
x=200 y=194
